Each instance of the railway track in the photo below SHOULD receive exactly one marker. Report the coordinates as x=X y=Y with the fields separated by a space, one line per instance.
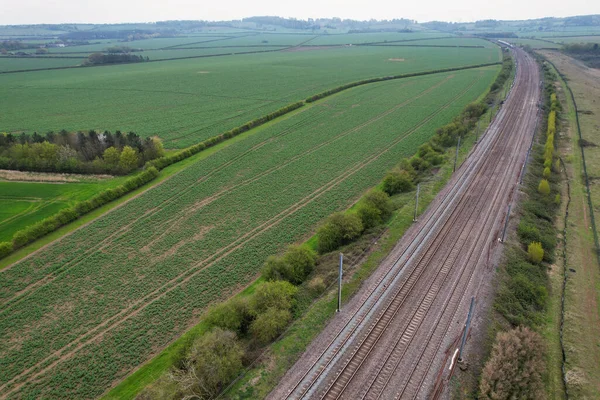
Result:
x=391 y=341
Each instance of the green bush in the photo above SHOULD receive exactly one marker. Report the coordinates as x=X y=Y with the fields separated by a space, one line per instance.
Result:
x=381 y=201
x=527 y=232
x=339 y=229
x=294 y=266
x=300 y=261
x=557 y=199
x=546 y=173
x=535 y=252
x=272 y=295
x=397 y=181
x=419 y=164
x=544 y=187
x=215 y=359
x=232 y=315
x=374 y=208
x=369 y=215
x=268 y=325
x=275 y=269
x=5 y=249
x=20 y=239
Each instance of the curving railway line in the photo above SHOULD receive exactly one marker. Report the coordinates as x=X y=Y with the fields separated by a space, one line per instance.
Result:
x=393 y=339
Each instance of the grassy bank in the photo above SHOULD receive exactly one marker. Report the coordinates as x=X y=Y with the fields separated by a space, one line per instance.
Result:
x=581 y=313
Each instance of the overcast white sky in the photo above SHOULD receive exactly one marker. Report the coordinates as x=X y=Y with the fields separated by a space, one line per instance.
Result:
x=110 y=11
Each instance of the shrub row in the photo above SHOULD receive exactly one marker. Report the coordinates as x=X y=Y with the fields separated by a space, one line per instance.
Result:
x=163 y=162
x=388 y=78
x=63 y=217
x=507 y=66
x=344 y=227
x=522 y=295
x=206 y=364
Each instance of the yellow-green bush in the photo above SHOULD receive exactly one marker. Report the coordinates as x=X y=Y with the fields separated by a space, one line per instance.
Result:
x=544 y=187
x=535 y=251
x=546 y=173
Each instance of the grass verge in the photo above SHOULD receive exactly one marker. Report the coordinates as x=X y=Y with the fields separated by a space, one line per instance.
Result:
x=581 y=336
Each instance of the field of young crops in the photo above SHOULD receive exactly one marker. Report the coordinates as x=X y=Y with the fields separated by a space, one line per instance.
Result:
x=18 y=64
x=452 y=41
x=186 y=101
x=85 y=311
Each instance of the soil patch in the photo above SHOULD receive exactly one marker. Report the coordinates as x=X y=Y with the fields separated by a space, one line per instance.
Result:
x=22 y=176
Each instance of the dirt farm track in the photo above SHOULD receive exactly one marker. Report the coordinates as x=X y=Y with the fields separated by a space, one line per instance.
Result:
x=397 y=337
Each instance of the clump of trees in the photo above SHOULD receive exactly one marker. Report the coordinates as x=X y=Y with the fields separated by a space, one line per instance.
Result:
x=12 y=45
x=237 y=326
x=294 y=266
x=589 y=53
x=78 y=152
x=507 y=66
x=514 y=370
x=113 y=58
x=339 y=229
x=212 y=362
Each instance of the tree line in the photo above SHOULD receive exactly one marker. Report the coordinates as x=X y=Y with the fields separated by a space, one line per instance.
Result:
x=113 y=58
x=589 y=53
x=78 y=152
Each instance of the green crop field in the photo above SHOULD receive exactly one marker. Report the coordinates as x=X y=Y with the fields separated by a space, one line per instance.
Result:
x=358 y=38
x=173 y=53
x=84 y=312
x=18 y=64
x=453 y=41
x=25 y=203
x=186 y=101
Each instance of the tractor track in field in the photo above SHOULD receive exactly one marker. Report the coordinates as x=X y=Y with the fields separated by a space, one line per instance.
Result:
x=388 y=345
x=96 y=333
